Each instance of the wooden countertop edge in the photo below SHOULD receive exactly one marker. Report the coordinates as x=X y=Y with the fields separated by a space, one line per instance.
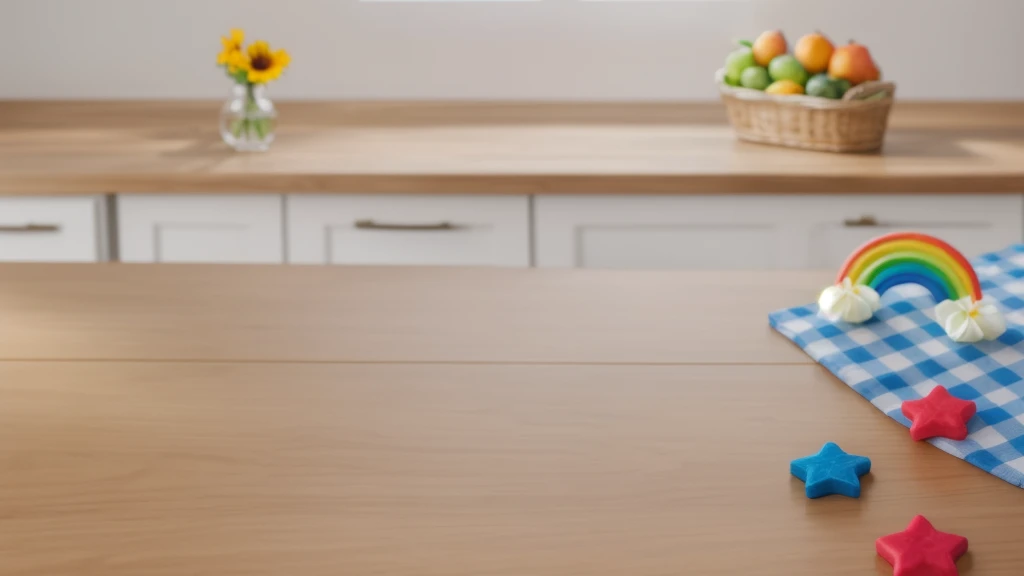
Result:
x=170 y=147
x=505 y=184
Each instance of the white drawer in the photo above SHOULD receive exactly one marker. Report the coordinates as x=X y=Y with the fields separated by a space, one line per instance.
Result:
x=974 y=224
x=412 y=230
x=757 y=232
x=52 y=229
x=201 y=229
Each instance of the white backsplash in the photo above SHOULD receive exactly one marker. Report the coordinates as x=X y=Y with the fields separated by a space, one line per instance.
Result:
x=545 y=49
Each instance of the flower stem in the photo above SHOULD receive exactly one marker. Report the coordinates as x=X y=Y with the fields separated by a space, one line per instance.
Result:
x=251 y=111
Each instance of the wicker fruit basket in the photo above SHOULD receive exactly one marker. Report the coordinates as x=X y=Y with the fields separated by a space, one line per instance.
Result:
x=856 y=123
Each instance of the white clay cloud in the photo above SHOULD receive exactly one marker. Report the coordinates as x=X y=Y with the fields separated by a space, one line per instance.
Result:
x=854 y=303
x=968 y=321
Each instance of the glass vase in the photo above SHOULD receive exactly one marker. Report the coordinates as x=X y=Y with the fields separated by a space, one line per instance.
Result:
x=248 y=120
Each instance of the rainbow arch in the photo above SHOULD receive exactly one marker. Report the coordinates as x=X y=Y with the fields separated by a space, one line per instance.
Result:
x=912 y=258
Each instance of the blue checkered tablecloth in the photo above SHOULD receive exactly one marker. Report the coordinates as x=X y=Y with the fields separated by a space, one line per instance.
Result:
x=902 y=353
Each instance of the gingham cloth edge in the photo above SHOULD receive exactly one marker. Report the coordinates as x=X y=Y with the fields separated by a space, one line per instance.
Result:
x=851 y=373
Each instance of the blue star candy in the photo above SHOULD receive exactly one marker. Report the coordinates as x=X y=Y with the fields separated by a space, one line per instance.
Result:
x=831 y=471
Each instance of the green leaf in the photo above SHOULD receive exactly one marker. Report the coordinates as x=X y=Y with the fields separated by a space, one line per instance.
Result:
x=746 y=43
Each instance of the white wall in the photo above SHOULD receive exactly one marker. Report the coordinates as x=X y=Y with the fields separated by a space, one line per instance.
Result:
x=547 y=49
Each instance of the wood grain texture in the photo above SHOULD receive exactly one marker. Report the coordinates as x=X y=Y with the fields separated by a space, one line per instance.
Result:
x=122 y=469
x=138 y=147
x=300 y=313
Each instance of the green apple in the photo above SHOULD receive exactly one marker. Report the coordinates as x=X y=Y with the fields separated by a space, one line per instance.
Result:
x=822 y=86
x=787 y=67
x=738 y=61
x=755 y=77
x=842 y=85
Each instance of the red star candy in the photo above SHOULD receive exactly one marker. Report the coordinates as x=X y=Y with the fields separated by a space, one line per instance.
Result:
x=921 y=550
x=939 y=414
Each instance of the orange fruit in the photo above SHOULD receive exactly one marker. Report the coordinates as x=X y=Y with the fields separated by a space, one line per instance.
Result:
x=814 y=51
x=853 y=63
x=784 y=87
x=769 y=45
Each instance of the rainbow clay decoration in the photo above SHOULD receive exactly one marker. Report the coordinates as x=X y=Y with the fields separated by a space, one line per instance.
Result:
x=911 y=258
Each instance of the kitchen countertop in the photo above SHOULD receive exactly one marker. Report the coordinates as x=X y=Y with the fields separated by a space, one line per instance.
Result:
x=49 y=148
x=163 y=420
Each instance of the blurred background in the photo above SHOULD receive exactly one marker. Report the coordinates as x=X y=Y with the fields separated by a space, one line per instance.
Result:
x=549 y=133
x=487 y=49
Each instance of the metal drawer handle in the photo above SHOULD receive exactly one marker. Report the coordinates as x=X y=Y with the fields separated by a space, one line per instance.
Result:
x=29 y=228
x=373 y=225
x=862 y=222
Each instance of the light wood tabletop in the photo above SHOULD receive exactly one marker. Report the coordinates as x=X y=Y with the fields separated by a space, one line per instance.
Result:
x=166 y=420
x=492 y=148
x=352 y=314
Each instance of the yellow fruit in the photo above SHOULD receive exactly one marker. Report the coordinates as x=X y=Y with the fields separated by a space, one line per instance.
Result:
x=814 y=52
x=767 y=46
x=784 y=87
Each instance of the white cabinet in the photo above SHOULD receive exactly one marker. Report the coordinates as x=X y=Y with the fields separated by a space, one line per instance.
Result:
x=658 y=232
x=973 y=224
x=70 y=229
x=412 y=230
x=205 y=229
x=757 y=232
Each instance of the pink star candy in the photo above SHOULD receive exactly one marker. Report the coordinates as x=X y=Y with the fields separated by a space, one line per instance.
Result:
x=939 y=414
x=921 y=550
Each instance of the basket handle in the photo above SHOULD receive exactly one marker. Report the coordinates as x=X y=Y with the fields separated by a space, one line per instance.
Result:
x=870 y=90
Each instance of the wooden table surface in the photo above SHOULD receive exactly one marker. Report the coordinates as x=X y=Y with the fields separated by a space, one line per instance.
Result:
x=260 y=421
x=491 y=148
x=352 y=314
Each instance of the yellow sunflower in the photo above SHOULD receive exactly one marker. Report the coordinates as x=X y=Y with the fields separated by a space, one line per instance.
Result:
x=264 y=65
x=232 y=45
x=238 y=62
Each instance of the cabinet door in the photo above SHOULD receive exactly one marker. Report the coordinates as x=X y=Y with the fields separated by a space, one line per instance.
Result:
x=693 y=232
x=757 y=232
x=973 y=224
x=410 y=230
x=52 y=229
x=204 y=229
